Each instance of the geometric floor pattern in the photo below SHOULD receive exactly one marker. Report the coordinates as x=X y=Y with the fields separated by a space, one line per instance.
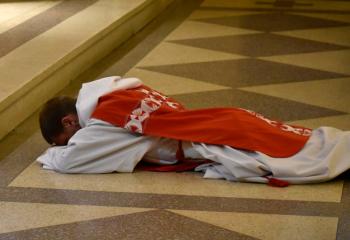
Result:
x=285 y=59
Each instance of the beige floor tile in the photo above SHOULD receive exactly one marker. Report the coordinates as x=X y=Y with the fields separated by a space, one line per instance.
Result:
x=340 y=122
x=174 y=183
x=199 y=14
x=14 y=13
x=333 y=61
x=171 y=53
x=172 y=85
x=20 y=216
x=336 y=35
x=271 y=226
x=192 y=29
x=336 y=17
x=332 y=93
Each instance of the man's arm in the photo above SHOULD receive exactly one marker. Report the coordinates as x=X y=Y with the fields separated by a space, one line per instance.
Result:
x=98 y=148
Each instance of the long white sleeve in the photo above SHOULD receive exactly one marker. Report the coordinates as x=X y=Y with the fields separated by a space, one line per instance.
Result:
x=98 y=148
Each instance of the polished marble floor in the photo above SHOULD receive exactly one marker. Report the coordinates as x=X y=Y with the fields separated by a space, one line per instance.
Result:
x=286 y=59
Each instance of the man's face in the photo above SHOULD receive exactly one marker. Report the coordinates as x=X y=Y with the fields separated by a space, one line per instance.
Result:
x=70 y=127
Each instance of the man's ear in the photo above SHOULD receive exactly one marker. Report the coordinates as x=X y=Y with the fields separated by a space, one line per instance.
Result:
x=67 y=120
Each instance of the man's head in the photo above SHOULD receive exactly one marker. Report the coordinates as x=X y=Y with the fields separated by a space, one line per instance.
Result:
x=59 y=120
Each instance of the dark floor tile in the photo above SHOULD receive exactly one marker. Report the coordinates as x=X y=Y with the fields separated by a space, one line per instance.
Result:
x=172 y=201
x=343 y=230
x=147 y=225
x=243 y=72
x=271 y=107
x=274 y=22
x=261 y=44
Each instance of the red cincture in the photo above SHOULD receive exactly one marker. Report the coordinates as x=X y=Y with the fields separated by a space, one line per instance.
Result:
x=275 y=182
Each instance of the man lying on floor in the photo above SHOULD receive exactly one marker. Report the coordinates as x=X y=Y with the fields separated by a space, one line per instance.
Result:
x=115 y=123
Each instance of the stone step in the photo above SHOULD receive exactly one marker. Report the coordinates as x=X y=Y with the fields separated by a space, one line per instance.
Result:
x=45 y=45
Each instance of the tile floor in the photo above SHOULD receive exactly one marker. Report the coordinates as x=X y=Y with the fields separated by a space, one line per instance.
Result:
x=285 y=59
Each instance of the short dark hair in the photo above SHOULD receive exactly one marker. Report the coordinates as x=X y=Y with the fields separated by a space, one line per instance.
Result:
x=52 y=113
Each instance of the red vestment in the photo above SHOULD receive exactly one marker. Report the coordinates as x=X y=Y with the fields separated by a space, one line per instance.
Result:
x=148 y=112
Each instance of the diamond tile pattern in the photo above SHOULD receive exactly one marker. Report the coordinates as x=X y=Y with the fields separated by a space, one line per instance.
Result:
x=257 y=45
x=285 y=59
x=269 y=106
x=243 y=72
x=277 y=108
x=332 y=61
x=272 y=22
x=335 y=35
x=153 y=225
x=245 y=223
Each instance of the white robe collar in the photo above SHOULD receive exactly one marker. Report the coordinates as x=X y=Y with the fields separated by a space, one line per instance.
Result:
x=90 y=92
